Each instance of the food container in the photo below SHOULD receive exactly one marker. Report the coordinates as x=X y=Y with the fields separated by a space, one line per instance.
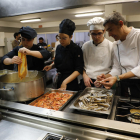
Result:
x=93 y=93
x=12 y=88
x=44 y=99
x=5 y=71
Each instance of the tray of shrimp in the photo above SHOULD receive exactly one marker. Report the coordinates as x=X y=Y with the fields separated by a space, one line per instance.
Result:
x=97 y=100
x=54 y=99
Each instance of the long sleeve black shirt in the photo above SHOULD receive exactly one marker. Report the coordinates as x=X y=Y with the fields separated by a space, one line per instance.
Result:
x=32 y=62
x=69 y=59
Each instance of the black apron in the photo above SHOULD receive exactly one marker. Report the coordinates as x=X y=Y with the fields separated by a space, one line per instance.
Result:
x=64 y=62
x=130 y=88
x=73 y=85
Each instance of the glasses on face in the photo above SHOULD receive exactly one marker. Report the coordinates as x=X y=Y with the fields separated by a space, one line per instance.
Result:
x=98 y=34
x=63 y=38
x=23 y=39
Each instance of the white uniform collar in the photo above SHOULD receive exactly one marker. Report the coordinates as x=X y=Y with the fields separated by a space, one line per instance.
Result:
x=101 y=44
x=128 y=36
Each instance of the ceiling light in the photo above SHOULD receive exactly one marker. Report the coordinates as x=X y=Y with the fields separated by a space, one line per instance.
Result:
x=114 y=1
x=30 y=20
x=89 y=14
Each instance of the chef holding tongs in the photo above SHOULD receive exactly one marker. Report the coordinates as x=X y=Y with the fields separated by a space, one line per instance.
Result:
x=126 y=67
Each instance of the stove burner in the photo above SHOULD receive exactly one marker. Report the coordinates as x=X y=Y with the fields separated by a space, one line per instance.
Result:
x=128 y=110
x=133 y=120
x=136 y=115
x=55 y=137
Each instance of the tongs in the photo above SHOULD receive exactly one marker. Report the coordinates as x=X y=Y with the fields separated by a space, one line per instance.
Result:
x=132 y=106
x=128 y=114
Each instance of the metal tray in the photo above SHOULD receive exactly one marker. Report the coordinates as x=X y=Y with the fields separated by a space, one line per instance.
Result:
x=75 y=104
x=49 y=90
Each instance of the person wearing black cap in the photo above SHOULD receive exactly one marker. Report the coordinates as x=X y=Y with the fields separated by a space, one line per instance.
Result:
x=35 y=55
x=41 y=43
x=68 y=59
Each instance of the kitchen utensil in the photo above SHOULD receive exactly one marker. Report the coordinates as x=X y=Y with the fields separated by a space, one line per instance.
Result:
x=12 y=88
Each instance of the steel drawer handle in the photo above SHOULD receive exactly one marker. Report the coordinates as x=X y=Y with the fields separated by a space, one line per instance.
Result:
x=7 y=89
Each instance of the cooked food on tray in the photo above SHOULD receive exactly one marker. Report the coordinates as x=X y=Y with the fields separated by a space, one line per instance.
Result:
x=52 y=100
x=22 y=68
x=97 y=100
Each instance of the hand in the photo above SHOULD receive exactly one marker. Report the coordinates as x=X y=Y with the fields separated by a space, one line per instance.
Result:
x=98 y=84
x=47 y=68
x=16 y=60
x=87 y=80
x=45 y=47
x=63 y=86
x=25 y=51
x=101 y=77
x=109 y=82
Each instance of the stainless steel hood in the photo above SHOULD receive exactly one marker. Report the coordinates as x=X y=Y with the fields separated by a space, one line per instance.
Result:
x=12 y=8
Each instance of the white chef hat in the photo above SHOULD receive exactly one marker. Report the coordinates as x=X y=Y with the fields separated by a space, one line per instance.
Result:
x=96 y=23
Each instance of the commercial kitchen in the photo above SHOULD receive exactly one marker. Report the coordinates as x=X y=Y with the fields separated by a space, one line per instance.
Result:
x=21 y=120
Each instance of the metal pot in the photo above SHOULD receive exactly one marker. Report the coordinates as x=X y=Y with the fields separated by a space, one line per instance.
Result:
x=5 y=71
x=12 y=88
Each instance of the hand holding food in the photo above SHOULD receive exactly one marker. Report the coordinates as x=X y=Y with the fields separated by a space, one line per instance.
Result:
x=16 y=60
x=98 y=84
x=109 y=82
x=25 y=51
x=101 y=77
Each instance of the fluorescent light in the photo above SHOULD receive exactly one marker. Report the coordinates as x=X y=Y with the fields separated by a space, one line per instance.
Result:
x=30 y=20
x=114 y=1
x=89 y=14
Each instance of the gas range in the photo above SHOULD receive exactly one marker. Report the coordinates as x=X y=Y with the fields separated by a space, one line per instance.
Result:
x=124 y=108
x=51 y=136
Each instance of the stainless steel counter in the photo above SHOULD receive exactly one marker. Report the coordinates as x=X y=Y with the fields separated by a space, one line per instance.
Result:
x=68 y=123
x=14 y=131
x=18 y=126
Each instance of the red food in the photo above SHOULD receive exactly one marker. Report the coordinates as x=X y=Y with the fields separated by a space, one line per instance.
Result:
x=53 y=100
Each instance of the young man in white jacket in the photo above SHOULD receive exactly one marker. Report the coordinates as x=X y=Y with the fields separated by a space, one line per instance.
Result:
x=126 y=66
x=97 y=53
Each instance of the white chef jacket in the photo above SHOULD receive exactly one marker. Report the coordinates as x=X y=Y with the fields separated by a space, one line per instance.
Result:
x=97 y=59
x=56 y=44
x=129 y=52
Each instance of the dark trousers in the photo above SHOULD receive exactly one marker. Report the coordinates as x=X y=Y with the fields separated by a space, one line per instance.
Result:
x=130 y=88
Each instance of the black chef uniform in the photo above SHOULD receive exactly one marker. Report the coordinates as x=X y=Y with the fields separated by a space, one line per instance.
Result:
x=68 y=59
x=32 y=62
x=42 y=44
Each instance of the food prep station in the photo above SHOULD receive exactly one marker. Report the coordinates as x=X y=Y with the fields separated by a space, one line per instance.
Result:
x=21 y=120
